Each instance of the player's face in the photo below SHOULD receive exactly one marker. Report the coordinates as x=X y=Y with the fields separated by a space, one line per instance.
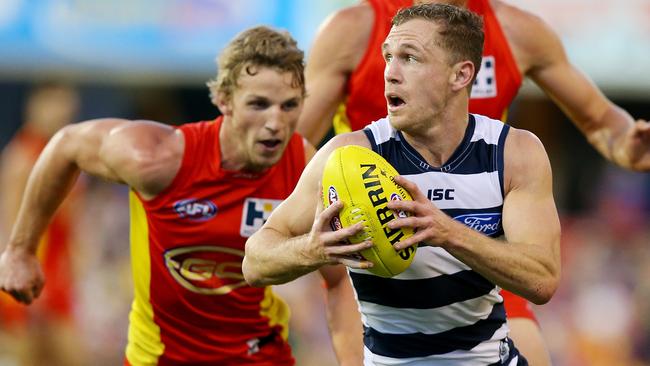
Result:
x=416 y=76
x=265 y=109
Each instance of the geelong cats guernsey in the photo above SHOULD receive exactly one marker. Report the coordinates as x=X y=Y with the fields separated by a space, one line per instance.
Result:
x=439 y=311
x=192 y=305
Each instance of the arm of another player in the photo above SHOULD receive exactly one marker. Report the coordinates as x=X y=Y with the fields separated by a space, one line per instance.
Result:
x=337 y=49
x=528 y=263
x=343 y=316
x=609 y=128
x=140 y=154
x=297 y=238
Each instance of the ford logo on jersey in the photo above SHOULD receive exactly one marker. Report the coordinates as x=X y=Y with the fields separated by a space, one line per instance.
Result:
x=194 y=209
x=486 y=223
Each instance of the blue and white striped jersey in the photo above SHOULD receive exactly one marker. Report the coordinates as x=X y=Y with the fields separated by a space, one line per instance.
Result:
x=439 y=311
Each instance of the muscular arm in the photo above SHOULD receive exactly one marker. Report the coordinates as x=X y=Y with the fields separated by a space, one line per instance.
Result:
x=528 y=263
x=338 y=48
x=609 y=129
x=144 y=155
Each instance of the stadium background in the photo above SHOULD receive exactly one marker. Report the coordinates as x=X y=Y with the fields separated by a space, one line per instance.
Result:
x=149 y=59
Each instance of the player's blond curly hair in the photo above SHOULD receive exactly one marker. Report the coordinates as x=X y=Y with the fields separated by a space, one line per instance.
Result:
x=258 y=46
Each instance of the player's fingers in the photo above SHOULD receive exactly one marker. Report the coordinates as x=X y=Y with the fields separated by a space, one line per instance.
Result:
x=348 y=249
x=353 y=262
x=325 y=217
x=399 y=205
x=411 y=187
x=415 y=239
x=409 y=221
x=343 y=234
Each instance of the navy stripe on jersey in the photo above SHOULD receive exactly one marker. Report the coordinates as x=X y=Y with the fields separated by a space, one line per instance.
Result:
x=421 y=345
x=422 y=293
x=502 y=144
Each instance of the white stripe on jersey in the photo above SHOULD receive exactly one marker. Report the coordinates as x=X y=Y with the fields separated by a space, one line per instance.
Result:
x=428 y=262
x=429 y=321
x=470 y=190
x=487 y=130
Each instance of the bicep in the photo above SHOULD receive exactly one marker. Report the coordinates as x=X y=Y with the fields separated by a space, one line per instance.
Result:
x=529 y=212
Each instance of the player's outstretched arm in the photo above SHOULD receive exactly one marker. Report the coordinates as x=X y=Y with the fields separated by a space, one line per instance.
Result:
x=297 y=238
x=609 y=128
x=528 y=262
x=122 y=151
x=336 y=51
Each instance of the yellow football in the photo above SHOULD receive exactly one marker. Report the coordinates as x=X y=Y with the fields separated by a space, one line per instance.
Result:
x=364 y=181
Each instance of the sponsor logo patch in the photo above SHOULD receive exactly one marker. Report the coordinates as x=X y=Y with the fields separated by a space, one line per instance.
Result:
x=206 y=269
x=486 y=223
x=197 y=210
x=255 y=213
x=485 y=85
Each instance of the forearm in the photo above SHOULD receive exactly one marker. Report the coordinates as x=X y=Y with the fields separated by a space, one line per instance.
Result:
x=48 y=184
x=522 y=268
x=272 y=258
x=607 y=133
x=344 y=323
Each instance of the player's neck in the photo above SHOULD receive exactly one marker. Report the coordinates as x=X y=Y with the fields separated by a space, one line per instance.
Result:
x=442 y=136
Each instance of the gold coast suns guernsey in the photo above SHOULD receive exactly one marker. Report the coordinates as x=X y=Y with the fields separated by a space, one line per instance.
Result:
x=495 y=87
x=192 y=305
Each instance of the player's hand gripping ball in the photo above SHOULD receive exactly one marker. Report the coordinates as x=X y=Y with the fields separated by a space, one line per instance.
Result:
x=365 y=182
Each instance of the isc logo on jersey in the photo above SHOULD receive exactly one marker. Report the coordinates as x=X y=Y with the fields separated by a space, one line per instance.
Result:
x=206 y=269
x=255 y=213
x=193 y=209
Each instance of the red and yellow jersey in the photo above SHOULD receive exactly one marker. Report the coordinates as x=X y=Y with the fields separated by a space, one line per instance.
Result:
x=496 y=84
x=57 y=299
x=192 y=305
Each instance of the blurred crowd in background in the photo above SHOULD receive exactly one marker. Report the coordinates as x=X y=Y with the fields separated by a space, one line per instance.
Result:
x=599 y=316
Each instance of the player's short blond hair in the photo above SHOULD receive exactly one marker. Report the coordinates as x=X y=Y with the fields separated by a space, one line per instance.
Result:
x=254 y=47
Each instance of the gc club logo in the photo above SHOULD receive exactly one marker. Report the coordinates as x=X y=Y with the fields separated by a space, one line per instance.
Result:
x=206 y=269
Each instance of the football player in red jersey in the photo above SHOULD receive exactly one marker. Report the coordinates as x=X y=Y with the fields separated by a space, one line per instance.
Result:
x=45 y=333
x=197 y=192
x=345 y=85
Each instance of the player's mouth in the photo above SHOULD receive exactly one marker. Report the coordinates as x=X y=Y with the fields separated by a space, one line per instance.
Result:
x=270 y=145
x=395 y=102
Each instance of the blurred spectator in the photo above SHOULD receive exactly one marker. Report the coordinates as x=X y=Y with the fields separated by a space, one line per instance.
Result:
x=44 y=334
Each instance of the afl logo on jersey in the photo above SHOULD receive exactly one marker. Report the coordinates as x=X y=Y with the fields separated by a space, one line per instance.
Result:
x=486 y=223
x=194 y=209
x=206 y=269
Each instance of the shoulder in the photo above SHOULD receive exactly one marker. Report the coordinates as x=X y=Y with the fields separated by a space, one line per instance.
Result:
x=151 y=153
x=344 y=35
x=525 y=159
x=531 y=39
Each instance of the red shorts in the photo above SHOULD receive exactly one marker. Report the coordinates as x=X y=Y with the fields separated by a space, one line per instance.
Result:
x=517 y=307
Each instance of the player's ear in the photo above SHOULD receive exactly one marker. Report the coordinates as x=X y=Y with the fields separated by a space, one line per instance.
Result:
x=223 y=102
x=462 y=75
